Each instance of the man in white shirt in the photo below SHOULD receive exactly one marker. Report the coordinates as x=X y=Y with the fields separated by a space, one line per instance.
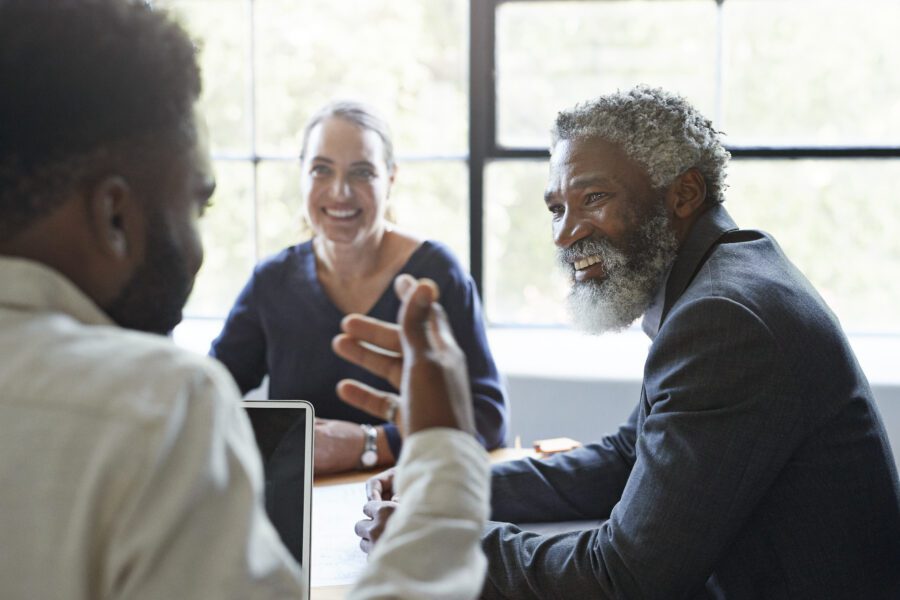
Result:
x=128 y=469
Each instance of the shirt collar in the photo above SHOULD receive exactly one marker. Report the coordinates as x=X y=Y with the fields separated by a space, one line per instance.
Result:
x=651 y=321
x=703 y=235
x=32 y=286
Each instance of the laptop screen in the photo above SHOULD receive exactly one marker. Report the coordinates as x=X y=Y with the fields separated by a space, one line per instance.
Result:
x=283 y=431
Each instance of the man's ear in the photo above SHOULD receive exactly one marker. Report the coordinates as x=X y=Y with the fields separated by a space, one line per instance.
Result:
x=116 y=219
x=687 y=194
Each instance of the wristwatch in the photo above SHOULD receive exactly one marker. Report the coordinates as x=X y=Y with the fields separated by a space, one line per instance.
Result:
x=369 y=456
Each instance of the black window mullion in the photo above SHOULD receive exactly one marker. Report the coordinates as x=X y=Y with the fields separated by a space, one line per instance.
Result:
x=739 y=152
x=483 y=144
x=482 y=123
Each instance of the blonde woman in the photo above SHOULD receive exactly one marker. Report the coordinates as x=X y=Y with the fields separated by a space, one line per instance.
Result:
x=284 y=320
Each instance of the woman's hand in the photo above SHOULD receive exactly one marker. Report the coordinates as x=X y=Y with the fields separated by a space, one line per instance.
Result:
x=340 y=444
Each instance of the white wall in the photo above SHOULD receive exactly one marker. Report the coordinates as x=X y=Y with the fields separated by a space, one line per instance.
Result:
x=586 y=410
x=561 y=383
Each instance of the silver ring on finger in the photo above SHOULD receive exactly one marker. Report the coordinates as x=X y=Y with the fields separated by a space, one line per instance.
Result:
x=391 y=411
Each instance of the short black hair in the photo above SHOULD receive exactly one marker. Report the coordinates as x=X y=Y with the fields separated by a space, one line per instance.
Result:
x=84 y=83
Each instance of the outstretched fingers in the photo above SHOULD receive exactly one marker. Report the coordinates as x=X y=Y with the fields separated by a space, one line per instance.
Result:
x=419 y=303
x=378 y=403
x=386 y=366
x=373 y=331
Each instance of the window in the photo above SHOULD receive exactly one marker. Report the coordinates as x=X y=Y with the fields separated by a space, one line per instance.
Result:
x=805 y=91
x=269 y=64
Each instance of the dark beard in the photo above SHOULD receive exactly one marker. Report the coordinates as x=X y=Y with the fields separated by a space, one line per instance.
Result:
x=633 y=273
x=153 y=299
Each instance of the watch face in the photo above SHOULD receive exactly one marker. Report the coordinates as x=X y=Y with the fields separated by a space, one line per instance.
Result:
x=369 y=458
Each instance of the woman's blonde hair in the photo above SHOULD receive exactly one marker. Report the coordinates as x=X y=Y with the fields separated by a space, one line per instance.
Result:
x=360 y=115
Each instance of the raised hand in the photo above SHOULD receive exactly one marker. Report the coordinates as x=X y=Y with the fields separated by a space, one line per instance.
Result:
x=420 y=355
x=421 y=358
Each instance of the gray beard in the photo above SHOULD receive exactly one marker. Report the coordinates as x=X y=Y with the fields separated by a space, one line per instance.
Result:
x=633 y=275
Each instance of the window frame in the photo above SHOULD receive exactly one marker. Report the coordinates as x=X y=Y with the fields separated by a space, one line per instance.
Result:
x=254 y=157
x=484 y=147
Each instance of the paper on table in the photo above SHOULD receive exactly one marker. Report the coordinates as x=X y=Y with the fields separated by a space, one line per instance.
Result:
x=336 y=557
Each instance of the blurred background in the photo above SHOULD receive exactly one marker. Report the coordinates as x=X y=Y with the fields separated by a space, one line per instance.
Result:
x=793 y=75
x=806 y=93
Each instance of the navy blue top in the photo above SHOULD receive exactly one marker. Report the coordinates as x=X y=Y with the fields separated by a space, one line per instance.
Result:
x=283 y=322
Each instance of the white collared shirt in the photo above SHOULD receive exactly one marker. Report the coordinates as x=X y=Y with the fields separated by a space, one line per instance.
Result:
x=128 y=470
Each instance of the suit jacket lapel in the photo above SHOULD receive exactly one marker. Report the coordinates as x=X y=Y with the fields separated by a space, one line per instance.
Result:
x=702 y=238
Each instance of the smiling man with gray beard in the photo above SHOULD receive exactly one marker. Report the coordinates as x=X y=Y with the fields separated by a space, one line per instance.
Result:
x=755 y=464
x=633 y=274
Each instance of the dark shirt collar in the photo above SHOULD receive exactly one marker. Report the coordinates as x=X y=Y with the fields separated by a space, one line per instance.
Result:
x=651 y=320
x=703 y=235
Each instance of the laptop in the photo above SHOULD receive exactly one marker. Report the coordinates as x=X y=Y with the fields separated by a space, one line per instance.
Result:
x=284 y=434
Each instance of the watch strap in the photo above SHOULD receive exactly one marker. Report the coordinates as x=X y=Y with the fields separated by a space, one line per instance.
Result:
x=369 y=456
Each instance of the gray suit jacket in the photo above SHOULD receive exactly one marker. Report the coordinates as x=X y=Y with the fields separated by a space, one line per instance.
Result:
x=754 y=466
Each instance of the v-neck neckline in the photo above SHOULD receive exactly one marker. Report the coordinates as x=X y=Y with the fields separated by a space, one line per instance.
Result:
x=311 y=268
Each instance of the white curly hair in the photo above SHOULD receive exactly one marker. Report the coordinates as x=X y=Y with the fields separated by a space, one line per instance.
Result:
x=658 y=129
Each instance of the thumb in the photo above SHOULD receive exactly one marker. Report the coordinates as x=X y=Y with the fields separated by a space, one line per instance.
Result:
x=403 y=283
x=414 y=316
x=439 y=330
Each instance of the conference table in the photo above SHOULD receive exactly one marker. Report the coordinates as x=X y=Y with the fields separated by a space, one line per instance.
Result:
x=330 y=495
